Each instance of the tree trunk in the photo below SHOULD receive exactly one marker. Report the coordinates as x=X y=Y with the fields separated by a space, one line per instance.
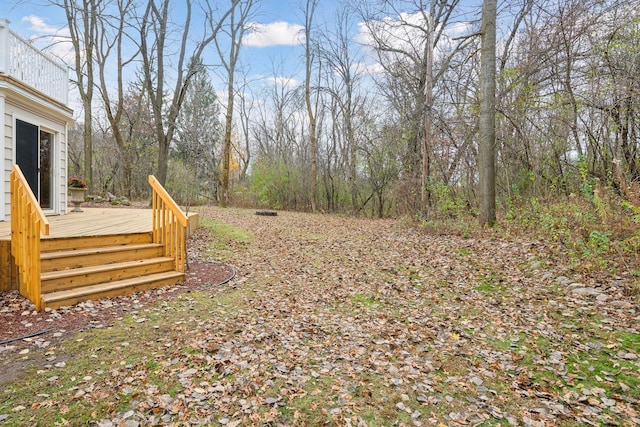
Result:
x=313 y=138
x=82 y=21
x=624 y=122
x=486 y=143
x=88 y=145
x=226 y=150
x=237 y=27
x=353 y=152
x=89 y=18
x=163 y=158
x=426 y=139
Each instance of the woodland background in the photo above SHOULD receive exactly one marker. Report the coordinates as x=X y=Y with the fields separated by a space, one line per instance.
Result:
x=396 y=139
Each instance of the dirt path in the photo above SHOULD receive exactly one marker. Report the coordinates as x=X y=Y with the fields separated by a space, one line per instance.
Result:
x=334 y=321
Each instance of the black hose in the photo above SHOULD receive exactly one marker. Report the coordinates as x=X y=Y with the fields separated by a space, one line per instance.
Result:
x=233 y=275
x=228 y=279
x=35 y=334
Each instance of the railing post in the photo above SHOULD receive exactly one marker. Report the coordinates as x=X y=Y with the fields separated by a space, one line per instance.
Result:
x=169 y=224
x=27 y=222
x=4 y=45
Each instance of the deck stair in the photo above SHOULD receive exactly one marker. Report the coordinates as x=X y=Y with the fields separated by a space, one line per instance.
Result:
x=52 y=270
x=92 y=267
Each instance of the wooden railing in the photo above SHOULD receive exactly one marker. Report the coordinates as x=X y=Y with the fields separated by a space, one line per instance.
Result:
x=169 y=224
x=27 y=222
x=22 y=60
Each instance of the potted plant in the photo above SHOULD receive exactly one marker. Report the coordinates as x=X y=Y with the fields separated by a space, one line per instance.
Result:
x=77 y=188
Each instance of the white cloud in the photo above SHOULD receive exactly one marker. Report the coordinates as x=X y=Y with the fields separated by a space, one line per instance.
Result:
x=374 y=68
x=279 y=81
x=274 y=34
x=286 y=82
x=55 y=41
x=405 y=30
x=405 y=33
x=458 y=29
x=39 y=25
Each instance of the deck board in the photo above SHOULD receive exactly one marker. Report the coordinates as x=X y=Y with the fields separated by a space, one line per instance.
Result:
x=93 y=222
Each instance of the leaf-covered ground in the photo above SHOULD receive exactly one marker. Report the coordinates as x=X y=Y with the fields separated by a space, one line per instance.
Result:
x=337 y=321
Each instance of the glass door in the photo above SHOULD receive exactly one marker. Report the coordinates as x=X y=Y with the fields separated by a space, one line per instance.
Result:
x=46 y=170
x=34 y=154
x=27 y=153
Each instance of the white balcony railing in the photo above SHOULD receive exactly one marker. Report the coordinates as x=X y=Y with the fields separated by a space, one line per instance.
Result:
x=23 y=61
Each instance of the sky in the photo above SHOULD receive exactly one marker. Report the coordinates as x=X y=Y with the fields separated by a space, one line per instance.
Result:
x=271 y=51
x=278 y=24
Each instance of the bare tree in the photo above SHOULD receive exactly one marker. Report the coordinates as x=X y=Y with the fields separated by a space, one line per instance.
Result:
x=405 y=49
x=157 y=47
x=310 y=102
x=428 y=105
x=486 y=144
x=344 y=75
x=234 y=30
x=246 y=109
x=275 y=121
x=137 y=127
x=82 y=19
x=110 y=42
x=198 y=138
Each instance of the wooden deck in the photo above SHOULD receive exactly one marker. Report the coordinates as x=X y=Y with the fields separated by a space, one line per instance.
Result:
x=92 y=222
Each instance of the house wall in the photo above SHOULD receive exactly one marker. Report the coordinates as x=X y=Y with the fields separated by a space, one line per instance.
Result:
x=6 y=263
x=15 y=108
x=5 y=196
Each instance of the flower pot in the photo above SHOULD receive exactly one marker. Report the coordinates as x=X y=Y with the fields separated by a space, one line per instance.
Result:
x=77 y=197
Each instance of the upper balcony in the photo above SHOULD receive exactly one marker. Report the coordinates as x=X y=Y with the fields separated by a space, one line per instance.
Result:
x=24 y=62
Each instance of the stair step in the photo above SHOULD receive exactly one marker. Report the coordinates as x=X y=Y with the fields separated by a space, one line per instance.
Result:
x=86 y=257
x=117 y=287
x=56 y=244
x=54 y=281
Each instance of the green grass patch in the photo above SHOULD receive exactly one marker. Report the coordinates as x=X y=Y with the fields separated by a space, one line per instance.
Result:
x=489 y=284
x=464 y=252
x=317 y=394
x=314 y=236
x=226 y=232
x=102 y=352
x=605 y=365
x=226 y=238
x=513 y=343
x=599 y=369
x=365 y=300
x=131 y=352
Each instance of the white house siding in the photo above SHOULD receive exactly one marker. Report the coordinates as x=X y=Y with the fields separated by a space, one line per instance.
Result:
x=7 y=138
x=46 y=119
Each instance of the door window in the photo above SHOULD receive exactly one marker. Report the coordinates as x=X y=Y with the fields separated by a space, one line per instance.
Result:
x=27 y=153
x=34 y=155
x=46 y=170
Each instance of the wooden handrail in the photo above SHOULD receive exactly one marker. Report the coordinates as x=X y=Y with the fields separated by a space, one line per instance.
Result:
x=27 y=222
x=169 y=224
